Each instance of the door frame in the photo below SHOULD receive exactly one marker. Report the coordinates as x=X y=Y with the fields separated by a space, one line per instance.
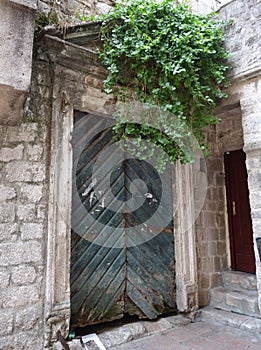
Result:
x=57 y=284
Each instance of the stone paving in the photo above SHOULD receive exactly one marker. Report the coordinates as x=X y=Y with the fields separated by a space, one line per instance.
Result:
x=197 y=336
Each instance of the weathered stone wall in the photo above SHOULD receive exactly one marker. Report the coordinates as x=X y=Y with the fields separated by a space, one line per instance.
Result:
x=212 y=234
x=23 y=217
x=22 y=236
x=243 y=41
x=243 y=35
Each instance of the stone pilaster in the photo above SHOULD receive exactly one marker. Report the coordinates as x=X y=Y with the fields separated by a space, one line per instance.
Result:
x=251 y=119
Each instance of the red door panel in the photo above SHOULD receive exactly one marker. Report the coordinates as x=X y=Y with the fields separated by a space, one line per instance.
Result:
x=240 y=224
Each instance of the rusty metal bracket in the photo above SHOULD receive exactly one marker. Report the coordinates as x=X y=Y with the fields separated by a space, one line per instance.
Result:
x=62 y=340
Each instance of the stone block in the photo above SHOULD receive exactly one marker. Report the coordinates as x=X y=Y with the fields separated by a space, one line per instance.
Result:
x=19 y=296
x=219 y=179
x=6 y=321
x=31 y=193
x=218 y=295
x=7 y=213
x=3 y=132
x=211 y=249
x=216 y=280
x=26 y=213
x=103 y=8
x=253 y=162
x=221 y=248
x=26 y=318
x=23 y=274
x=254 y=180
x=250 y=305
x=27 y=341
x=205 y=281
x=25 y=172
x=7 y=193
x=207 y=265
x=231 y=319
x=41 y=213
x=22 y=133
x=256 y=214
x=11 y=102
x=203 y=296
x=239 y=280
x=256 y=223
x=8 y=154
x=178 y=320
x=34 y=152
x=240 y=301
x=18 y=171
x=8 y=232
x=233 y=301
x=31 y=231
x=4 y=279
x=122 y=334
x=217 y=264
x=159 y=326
x=20 y=253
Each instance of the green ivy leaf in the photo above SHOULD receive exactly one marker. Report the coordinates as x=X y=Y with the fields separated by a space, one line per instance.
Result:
x=162 y=54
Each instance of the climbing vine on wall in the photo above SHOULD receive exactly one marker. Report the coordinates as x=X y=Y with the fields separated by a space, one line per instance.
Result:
x=161 y=54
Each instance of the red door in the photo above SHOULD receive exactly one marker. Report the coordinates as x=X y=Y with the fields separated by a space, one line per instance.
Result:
x=240 y=224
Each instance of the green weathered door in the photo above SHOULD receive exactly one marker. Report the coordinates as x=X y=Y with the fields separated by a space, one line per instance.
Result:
x=119 y=264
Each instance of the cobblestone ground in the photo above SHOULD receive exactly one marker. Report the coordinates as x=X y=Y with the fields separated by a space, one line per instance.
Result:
x=197 y=336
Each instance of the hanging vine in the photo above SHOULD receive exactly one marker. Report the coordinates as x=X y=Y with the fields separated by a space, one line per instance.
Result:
x=161 y=54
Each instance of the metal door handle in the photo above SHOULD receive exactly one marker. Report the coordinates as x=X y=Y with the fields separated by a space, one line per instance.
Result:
x=234 y=208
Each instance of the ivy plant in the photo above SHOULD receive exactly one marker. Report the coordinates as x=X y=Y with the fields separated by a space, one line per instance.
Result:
x=171 y=61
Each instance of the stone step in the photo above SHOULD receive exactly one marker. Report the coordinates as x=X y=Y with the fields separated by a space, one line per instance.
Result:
x=231 y=319
x=239 y=280
x=240 y=301
x=112 y=336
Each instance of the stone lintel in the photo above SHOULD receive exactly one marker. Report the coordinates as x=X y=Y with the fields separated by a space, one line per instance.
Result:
x=61 y=52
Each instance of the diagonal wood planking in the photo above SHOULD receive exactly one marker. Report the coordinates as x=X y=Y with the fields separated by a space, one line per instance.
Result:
x=106 y=275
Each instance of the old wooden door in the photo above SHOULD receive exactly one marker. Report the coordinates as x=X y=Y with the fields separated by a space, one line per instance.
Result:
x=116 y=267
x=240 y=225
